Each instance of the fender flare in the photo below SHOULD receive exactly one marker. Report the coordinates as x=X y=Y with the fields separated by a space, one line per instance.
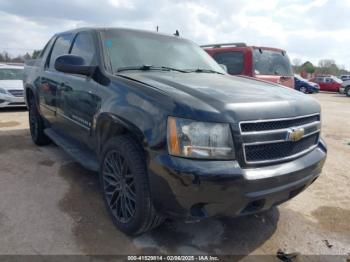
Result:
x=108 y=124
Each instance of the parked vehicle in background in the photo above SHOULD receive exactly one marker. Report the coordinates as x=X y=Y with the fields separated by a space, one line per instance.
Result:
x=265 y=63
x=345 y=88
x=345 y=77
x=171 y=134
x=305 y=86
x=328 y=83
x=11 y=86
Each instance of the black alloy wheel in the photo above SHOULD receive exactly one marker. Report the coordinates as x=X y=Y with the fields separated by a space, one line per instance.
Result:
x=119 y=186
x=125 y=186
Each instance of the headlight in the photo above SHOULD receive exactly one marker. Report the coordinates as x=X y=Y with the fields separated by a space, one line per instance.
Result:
x=2 y=91
x=191 y=139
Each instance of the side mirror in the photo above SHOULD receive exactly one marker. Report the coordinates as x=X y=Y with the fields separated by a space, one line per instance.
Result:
x=73 y=64
x=223 y=67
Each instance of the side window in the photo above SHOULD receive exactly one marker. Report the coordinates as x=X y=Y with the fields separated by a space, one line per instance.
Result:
x=329 y=80
x=319 y=79
x=84 y=46
x=61 y=47
x=46 y=48
x=233 y=60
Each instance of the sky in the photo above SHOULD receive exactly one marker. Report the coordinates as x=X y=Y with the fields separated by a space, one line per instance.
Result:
x=306 y=29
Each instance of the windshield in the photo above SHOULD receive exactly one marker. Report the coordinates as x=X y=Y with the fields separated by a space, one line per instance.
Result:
x=267 y=62
x=336 y=79
x=127 y=48
x=11 y=74
x=300 y=77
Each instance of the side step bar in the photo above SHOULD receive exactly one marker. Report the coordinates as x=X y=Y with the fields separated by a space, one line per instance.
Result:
x=82 y=155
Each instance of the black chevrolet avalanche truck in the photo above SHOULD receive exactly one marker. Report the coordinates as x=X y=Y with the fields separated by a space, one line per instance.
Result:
x=169 y=132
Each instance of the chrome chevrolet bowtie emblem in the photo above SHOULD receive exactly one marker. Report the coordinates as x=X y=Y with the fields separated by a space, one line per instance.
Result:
x=295 y=134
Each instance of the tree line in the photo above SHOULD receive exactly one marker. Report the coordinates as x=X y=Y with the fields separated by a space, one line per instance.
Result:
x=324 y=67
x=5 y=57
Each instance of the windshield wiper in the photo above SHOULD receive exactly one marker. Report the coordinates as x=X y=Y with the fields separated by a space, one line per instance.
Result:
x=173 y=69
x=150 y=67
x=201 y=70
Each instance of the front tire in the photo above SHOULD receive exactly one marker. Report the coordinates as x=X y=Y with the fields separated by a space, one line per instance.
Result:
x=347 y=91
x=36 y=125
x=124 y=183
x=303 y=89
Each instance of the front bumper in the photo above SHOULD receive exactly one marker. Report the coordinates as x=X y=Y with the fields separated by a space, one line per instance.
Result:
x=195 y=189
x=342 y=90
x=11 y=101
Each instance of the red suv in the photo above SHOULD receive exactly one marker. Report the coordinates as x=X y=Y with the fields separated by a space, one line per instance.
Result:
x=328 y=83
x=266 y=63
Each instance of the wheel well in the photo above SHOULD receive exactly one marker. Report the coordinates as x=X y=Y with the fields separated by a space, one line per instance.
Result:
x=108 y=128
x=29 y=94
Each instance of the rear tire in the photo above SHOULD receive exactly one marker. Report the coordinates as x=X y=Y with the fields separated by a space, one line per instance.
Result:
x=36 y=124
x=124 y=183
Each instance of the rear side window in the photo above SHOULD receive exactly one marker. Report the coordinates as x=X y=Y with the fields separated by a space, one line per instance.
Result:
x=61 y=47
x=84 y=46
x=234 y=61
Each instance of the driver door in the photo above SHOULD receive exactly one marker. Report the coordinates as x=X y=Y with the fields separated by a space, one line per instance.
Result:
x=80 y=99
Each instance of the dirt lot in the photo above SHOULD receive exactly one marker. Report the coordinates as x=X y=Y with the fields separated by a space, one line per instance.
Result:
x=51 y=205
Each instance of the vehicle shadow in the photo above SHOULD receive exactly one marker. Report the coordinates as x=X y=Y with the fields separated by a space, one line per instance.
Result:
x=13 y=109
x=96 y=234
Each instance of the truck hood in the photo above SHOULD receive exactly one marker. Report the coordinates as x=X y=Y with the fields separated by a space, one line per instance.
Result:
x=229 y=98
x=11 y=84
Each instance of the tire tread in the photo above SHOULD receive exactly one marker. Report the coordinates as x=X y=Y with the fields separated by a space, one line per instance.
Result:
x=42 y=139
x=151 y=219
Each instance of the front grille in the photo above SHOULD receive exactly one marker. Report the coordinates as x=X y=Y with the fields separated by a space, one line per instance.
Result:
x=16 y=93
x=273 y=151
x=278 y=124
x=268 y=141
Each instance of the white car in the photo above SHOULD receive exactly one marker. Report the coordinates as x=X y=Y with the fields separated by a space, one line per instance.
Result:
x=345 y=77
x=11 y=86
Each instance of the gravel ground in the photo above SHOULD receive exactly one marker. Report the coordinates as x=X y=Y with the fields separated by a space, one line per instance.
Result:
x=51 y=205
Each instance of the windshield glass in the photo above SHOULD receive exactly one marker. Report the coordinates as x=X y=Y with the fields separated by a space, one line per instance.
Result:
x=11 y=74
x=336 y=79
x=127 y=48
x=267 y=62
x=300 y=78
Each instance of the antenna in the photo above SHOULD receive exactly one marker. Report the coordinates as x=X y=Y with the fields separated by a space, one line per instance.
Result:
x=177 y=33
x=157 y=28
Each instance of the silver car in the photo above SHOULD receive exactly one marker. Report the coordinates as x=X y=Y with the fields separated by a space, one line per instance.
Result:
x=11 y=86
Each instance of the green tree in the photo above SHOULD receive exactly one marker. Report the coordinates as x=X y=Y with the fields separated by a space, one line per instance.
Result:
x=27 y=56
x=36 y=54
x=310 y=69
